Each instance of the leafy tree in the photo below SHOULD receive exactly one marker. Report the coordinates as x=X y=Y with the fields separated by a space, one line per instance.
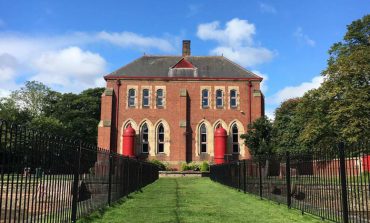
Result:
x=80 y=114
x=347 y=84
x=287 y=127
x=258 y=137
x=33 y=98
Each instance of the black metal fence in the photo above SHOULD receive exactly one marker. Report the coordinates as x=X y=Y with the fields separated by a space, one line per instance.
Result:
x=334 y=185
x=45 y=178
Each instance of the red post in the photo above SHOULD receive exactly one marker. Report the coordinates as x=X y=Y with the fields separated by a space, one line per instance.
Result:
x=128 y=143
x=220 y=144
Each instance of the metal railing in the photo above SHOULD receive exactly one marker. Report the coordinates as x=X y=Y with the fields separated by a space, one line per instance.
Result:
x=333 y=185
x=47 y=178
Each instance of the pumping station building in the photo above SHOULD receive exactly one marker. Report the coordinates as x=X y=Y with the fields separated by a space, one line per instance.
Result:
x=180 y=108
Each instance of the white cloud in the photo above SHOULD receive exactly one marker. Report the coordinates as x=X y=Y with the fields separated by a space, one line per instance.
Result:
x=71 y=68
x=270 y=113
x=133 y=40
x=295 y=91
x=235 y=41
x=4 y=93
x=303 y=38
x=263 y=86
x=267 y=8
x=60 y=61
x=7 y=67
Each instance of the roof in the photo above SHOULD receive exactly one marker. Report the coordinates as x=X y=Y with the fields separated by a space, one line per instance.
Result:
x=165 y=66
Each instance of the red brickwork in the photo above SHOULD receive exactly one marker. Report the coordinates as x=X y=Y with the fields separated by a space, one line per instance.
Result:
x=182 y=112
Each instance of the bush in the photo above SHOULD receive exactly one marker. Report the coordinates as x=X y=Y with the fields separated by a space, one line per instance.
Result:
x=161 y=166
x=189 y=166
x=204 y=167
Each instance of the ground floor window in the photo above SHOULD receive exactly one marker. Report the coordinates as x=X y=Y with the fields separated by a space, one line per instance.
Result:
x=203 y=138
x=235 y=139
x=160 y=139
x=144 y=139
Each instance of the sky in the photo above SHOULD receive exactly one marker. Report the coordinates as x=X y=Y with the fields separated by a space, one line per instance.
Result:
x=71 y=45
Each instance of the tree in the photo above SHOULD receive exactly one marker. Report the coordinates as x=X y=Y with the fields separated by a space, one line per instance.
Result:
x=258 y=137
x=287 y=127
x=347 y=84
x=34 y=98
x=79 y=113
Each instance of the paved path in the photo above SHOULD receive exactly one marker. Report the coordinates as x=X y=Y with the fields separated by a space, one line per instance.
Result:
x=197 y=200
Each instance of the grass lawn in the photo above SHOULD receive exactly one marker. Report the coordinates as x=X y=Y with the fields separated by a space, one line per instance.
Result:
x=195 y=200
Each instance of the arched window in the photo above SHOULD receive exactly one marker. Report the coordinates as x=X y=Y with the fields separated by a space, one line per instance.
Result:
x=146 y=98
x=160 y=98
x=131 y=97
x=205 y=98
x=235 y=138
x=144 y=139
x=203 y=138
x=233 y=99
x=219 y=99
x=160 y=139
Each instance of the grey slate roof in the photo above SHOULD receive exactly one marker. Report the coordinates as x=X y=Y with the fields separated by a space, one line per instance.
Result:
x=206 y=66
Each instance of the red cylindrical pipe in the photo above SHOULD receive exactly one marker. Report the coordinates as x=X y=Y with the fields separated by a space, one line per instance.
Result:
x=220 y=144
x=128 y=144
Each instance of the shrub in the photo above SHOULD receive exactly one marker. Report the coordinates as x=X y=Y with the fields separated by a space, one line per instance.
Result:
x=204 y=167
x=161 y=166
x=189 y=166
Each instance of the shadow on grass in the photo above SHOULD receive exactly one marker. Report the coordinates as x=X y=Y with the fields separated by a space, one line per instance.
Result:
x=98 y=214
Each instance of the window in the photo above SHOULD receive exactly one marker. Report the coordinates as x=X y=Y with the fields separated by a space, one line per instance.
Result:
x=219 y=99
x=233 y=99
x=131 y=97
x=205 y=98
x=160 y=98
x=203 y=138
x=144 y=138
x=146 y=98
x=160 y=139
x=235 y=139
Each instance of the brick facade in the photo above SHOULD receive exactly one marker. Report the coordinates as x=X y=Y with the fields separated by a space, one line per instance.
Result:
x=181 y=114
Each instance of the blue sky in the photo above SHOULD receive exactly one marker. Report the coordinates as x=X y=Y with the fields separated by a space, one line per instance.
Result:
x=70 y=45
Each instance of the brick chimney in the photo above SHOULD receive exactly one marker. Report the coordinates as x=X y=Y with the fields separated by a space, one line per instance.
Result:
x=185 y=48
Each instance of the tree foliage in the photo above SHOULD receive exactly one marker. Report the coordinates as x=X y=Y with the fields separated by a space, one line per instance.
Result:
x=339 y=110
x=69 y=115
x=259 y=136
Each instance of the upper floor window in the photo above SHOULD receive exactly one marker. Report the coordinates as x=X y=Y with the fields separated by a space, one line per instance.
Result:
x=205 y=98
x=144 y=138
x=219 y=99
x=233 y=97
x=146 y=98
x=131 y=97
x=160 y=98
x=203 y=138
x=235 y=138
x=160 y=139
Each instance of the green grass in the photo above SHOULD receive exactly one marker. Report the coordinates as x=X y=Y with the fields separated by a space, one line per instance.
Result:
x=195 y=200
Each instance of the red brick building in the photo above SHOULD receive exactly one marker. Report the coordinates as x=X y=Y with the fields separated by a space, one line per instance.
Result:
x=174 y=103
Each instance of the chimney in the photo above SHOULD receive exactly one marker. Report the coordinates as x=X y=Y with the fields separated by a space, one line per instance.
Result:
x=185 y=48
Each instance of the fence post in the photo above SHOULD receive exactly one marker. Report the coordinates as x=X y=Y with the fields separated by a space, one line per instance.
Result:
x=75 y=183
x=288 y=184
x=343 y=182
x=239 y=182
x=110 y=178
x=245 y=176
x=260 y=173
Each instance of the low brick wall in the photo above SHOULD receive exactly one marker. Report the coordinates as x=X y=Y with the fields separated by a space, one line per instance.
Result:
x=183 y=174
